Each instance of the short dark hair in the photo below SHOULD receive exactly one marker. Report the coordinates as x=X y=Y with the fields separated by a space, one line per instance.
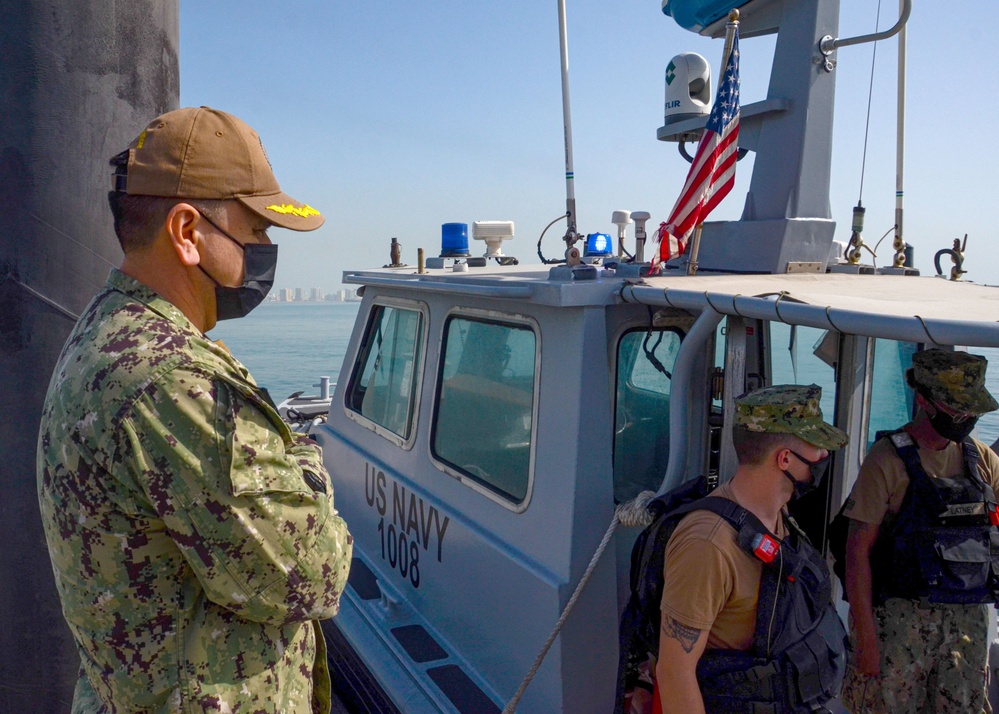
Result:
x=137 y=219
x=752 y=447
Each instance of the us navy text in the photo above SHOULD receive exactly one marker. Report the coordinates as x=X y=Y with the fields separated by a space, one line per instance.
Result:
x=413 y=523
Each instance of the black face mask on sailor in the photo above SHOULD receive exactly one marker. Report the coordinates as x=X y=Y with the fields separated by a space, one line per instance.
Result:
x=259 y=265
x=817 y=469
x=951 y=428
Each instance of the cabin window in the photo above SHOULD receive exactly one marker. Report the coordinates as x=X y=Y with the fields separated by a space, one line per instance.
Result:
x=484 y=419
x=805 y=355
x=383 y=385
x=645 y=361
x=808 y=355
x=891 y=399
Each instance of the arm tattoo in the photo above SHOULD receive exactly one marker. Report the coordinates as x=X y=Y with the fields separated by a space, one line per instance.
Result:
x=686 y=636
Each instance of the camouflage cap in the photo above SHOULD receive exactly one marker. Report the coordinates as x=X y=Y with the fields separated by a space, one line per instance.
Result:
x=955 y=379
x=788 y=409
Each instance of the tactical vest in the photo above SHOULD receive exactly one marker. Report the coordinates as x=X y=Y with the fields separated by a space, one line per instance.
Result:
x=943 y=546
x=798 y=657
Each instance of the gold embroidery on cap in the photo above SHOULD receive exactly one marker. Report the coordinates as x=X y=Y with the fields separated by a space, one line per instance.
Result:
x=142 y=139
x=286 y=208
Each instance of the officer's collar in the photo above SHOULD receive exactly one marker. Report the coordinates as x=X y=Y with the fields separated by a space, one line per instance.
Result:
x=141 y=292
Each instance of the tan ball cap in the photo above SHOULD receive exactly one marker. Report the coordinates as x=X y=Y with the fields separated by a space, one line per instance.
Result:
x=202 y=153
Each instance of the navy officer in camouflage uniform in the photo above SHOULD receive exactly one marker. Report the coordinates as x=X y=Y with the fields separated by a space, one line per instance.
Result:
x=193 y=536
x=921 y=552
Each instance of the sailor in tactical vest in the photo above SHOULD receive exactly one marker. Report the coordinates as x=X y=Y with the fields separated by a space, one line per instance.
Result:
x=747 y=624
x=922 y=555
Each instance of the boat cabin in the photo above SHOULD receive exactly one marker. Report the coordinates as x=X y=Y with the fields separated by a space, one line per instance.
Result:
x=490 y=417
x=488 y=422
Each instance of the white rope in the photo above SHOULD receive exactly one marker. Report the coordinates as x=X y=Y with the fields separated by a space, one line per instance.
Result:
x=631 y=513
x=636 y=511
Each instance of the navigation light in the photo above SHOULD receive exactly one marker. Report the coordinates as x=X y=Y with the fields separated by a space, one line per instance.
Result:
x=598 y=244
x=454 y=240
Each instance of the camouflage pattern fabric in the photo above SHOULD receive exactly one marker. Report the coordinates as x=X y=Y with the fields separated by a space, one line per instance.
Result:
x=788 y=409
x=192 y=535
x=85 y=699
x=954 y=379
x=933 y=659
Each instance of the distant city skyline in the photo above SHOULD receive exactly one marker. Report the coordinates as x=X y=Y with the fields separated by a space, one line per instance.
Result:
x=314 y=294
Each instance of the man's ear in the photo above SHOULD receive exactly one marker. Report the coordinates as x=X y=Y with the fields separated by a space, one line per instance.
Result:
x=184 y=238
x=783 y=457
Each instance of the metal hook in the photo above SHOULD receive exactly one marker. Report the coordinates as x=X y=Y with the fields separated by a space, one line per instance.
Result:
x=957 y=255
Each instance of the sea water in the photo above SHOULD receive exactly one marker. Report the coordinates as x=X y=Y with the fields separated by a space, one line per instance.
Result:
x=288 y=346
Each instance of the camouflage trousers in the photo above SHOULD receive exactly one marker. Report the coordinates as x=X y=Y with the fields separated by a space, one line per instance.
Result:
x=934 y=658
x=85 y=699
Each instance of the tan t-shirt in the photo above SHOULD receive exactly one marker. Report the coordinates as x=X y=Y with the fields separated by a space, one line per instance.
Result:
x=882 y=481
x=710 y=583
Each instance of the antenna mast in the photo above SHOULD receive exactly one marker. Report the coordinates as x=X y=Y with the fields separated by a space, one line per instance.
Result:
x=570 y=192
x=899 y=243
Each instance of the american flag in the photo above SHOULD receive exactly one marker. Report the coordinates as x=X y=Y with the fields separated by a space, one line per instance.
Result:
x=712 y=172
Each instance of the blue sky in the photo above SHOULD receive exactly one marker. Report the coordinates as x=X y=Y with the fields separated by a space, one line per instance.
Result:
x=393 y=118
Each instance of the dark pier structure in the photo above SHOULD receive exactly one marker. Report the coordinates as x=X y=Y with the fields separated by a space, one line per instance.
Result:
x=78 y=79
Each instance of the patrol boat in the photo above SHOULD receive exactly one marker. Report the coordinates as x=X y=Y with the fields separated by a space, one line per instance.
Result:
x=494 y=422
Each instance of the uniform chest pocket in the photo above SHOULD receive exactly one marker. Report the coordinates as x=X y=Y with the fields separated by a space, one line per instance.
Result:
x=259 y=462
x=269 y=478
x=961 y=561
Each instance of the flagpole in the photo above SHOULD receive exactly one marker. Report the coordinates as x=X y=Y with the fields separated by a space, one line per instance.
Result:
x=730 y=28
x=695 y=244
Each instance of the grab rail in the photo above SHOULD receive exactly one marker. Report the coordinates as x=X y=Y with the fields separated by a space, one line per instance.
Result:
x=496 y=291
x=828 y=45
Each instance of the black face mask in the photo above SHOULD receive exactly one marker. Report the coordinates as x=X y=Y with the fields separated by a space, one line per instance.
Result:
x=945 y=426
x=817 y=469
x=259 y=265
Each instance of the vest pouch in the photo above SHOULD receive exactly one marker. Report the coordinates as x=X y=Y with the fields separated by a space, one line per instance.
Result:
x=815 y=588
x=960 y=563
x=817 y=664
x=734 y=682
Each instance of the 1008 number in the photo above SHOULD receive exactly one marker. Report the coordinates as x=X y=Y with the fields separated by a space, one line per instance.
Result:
x=401 y=553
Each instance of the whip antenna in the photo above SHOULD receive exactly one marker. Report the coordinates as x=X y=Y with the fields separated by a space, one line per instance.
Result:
x=899 y=243
x=570 y=192
x=856 y=242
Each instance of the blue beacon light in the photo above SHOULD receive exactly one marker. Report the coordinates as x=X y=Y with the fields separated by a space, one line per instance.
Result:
x=598 y=244
x=454 y=240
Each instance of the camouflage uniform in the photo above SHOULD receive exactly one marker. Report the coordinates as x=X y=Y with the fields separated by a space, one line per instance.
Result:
x=933 y=656
x=192 y=534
